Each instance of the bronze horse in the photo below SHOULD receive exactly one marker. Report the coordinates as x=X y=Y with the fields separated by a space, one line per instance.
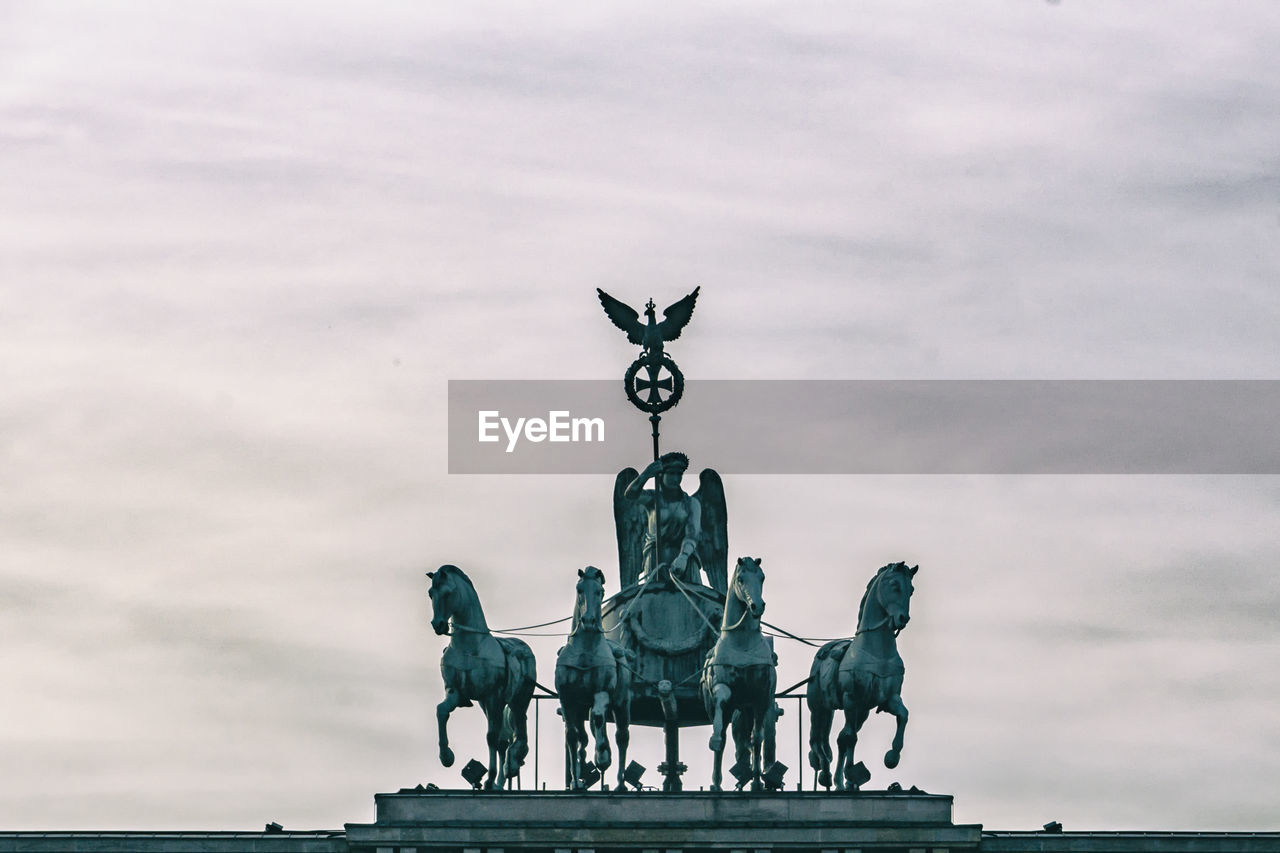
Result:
x=860 y=674
x=593 y=682
x=497 y=672
x=740 y=675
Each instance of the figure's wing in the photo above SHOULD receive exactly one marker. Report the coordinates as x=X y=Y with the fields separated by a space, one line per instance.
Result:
x=629 y=521
x=677 y=316
x=624 y=317
x=714 y=547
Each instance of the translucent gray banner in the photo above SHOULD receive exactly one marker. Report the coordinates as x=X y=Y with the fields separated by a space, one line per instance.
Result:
x=874 y=427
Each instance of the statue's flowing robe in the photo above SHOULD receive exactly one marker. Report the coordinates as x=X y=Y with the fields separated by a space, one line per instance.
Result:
x=637 y=537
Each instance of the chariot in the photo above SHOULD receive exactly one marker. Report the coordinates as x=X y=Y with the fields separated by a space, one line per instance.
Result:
x=668 y=630
x=664 y=616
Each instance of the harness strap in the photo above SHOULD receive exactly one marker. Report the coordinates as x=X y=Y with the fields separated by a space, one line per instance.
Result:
x=693 y=604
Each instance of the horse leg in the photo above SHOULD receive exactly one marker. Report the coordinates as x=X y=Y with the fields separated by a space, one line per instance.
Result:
x=757 y=741
x=491 y=740
x=741 y=727
x=575 y=739
x=572 y=769
x=570 y=748
x=719 y=696
x=771 y=733
x=517 y=725
x=508 y=764
x=580 y=736
x=894 y=706
x=845 y=743
x=622 y=733
x=844 y=751
x=443 y=710
x=599 y=730
x=762 y=735
x=577 y=751
x=573 y=754
x=820 y=743
x=580 y=713
x=497 y=749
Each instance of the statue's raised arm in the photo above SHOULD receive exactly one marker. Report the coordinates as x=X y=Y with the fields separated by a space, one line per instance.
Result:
x=666 y=528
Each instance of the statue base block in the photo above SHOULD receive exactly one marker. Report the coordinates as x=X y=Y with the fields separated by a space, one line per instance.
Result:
x=639 y=822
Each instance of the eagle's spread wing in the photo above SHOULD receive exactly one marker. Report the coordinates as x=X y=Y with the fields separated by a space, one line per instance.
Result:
x=625 y=317
x=677 y=316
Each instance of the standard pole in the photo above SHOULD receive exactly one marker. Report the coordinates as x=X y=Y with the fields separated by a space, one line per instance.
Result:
x=657 y=498
x=799 y=744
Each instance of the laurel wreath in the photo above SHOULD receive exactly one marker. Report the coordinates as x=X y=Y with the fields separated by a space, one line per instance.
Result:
x=677 y=385
x=669 y=646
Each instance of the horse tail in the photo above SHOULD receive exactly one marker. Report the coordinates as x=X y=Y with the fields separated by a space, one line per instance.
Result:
x=522 y=671
x=624 y=660
x=823 y=675
x=522 y=676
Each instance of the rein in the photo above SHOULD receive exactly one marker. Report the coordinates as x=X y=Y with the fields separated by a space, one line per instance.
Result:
x=746 y=611
x=877 y=627
x=692 y=603
x=580 y=623
x=586 y=629
x=882 y=622
x=458 y=626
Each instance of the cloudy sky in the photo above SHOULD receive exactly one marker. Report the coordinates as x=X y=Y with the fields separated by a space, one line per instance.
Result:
x=243 y=247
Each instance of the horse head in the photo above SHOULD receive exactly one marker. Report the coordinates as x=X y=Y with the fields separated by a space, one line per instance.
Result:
x=590 y=604
x=747 y=585
x=890 y=605
x=446 y=585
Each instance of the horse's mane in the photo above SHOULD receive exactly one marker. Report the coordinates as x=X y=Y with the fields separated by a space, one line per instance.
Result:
x=454 y=570
x=862 y=605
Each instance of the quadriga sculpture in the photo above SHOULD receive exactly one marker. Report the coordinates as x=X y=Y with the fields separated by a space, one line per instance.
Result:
x=593 y=682
x=859 y=674
x=740 y=673
x=497 y=672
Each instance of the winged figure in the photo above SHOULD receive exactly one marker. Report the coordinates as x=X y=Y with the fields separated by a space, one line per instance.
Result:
x=650 y=334
x=694 y=534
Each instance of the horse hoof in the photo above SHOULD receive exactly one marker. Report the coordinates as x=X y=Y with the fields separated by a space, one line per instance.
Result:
x=713 y=788
x=757 y=785
x=891 y=758
x=446 y=756
x=824 y=779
